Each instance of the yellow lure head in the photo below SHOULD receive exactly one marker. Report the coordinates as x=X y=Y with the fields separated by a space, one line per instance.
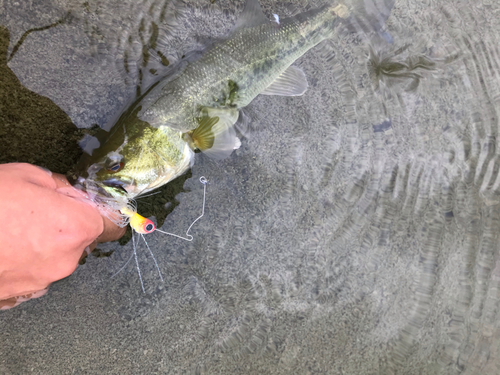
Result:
x=139 y=223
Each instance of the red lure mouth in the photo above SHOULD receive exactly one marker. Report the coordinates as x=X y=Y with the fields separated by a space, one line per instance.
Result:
x=141 y=224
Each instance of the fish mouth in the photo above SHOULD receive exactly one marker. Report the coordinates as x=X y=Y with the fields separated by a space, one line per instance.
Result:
x=117 y=184
x=112 y=188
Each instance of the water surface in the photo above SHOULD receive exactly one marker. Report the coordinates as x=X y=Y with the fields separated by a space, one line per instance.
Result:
x=354 y=232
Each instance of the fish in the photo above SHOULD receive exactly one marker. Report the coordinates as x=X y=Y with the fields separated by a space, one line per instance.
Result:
x=156 y=139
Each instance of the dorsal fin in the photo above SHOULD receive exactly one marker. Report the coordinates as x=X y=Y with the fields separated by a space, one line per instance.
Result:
x=251 y=16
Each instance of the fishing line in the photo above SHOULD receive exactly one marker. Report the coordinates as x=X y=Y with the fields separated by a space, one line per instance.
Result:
x=125 y=265
x=154 y=259
x=148 y=195
x=137 y=264
x=189 y=237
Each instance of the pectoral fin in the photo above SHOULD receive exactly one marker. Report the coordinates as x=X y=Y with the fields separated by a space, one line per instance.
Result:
x=292 y=82
x=215 y=136
x=203 y=136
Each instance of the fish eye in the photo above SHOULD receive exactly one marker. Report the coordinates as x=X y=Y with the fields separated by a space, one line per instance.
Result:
x=115 y=167
x=149 y=227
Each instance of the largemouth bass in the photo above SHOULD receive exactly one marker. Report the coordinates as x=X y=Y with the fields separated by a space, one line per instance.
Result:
x=155 y=140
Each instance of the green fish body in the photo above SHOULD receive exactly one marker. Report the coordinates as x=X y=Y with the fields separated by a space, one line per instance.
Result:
x=154 y=141
x=233 y=73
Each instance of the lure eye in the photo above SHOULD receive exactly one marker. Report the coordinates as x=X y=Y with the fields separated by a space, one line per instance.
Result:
x=141 y=225
x=146 y=226
x=116 y=167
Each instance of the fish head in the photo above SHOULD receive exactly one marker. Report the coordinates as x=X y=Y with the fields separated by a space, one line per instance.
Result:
x=128 y=174
x=120 y=169
x=112 y=175
x=132 y=161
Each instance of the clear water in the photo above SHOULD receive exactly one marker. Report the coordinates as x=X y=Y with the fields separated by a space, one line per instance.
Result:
x=354 y=232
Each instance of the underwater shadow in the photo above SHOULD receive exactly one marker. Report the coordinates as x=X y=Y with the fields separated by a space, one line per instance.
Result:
x=33 y=129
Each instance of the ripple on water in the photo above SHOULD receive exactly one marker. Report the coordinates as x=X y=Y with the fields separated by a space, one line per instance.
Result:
x=357 y=227
x=368 y=208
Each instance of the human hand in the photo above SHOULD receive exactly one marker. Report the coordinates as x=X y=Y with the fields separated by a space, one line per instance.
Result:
x=44 y=228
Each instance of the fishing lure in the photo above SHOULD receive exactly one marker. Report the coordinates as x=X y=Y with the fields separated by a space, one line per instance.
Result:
x=142 y=226
x=138 y=223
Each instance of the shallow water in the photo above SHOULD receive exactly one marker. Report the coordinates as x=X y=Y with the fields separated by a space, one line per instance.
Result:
x=354 y=232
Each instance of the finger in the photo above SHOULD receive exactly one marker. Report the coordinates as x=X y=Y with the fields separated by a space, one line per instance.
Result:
x=111 y=231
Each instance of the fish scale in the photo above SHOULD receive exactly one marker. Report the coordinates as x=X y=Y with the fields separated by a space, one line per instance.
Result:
x=251 y=57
